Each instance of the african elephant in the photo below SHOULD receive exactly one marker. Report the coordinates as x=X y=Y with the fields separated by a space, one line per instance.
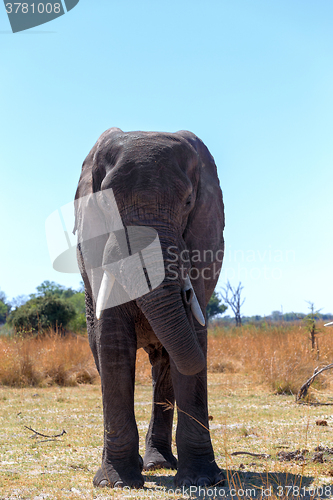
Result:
x=166 y=182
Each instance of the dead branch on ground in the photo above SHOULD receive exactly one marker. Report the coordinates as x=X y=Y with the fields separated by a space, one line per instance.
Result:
x=258 y=455
x=305 y=387
x=36 y=433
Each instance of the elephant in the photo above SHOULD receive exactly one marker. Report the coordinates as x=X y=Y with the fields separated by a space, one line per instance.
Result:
x=165 y=183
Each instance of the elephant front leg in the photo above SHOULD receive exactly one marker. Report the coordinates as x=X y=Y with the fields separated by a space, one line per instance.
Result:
x=121 y=463
x=159 y=436
x=196 y=462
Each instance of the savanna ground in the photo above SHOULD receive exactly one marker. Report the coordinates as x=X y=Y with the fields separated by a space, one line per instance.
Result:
x=50 y=385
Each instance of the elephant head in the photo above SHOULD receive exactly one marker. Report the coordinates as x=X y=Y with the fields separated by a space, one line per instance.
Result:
x=168 y=199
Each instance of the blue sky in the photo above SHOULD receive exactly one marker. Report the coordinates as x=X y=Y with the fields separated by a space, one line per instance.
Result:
x=253 y=80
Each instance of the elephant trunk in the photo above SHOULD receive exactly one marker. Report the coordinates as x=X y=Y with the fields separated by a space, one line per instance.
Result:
x=164 y=310
x=163 y=306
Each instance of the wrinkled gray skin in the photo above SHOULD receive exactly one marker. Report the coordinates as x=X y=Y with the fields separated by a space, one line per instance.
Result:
x=168 y=182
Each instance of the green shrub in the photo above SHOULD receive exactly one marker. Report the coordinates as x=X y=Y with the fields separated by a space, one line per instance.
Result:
x=53 y=306
x=41 y=313
x=215 y=306
x=3 y=311
x=78 y=323
x=4 y=307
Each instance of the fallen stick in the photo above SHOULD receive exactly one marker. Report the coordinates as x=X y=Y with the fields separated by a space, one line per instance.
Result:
x=258 y=455
x=305 y=387
x=44 y=435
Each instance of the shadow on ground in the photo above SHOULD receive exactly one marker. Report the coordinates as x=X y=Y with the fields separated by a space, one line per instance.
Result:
x=273 y=485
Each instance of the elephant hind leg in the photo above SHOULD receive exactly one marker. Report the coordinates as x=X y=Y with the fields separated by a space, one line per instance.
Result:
x=159 y=436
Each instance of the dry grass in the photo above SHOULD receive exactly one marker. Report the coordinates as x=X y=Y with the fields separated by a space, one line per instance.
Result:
x=143 y=368
x=280 y=355
x=54 y=360
x=245 y=418
x=47 y=360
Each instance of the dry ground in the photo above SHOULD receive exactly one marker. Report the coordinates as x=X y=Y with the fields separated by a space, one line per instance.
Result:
x=247 y=416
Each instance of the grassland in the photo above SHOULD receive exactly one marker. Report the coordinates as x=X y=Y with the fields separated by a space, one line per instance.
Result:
x=252 y=373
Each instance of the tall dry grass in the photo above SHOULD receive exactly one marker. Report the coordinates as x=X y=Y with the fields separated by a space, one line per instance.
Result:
x=46 y=360
x=280 y=354
x=54 y=360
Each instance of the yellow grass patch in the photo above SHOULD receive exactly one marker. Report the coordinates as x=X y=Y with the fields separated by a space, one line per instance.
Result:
x=277 y=355
x=47 y=360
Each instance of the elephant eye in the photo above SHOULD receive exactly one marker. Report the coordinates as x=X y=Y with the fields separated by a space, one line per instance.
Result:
x=188 y=201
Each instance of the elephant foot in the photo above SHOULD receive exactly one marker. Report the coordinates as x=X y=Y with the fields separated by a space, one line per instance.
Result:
x=200 y=475
x=155 y=459
x=114 y=476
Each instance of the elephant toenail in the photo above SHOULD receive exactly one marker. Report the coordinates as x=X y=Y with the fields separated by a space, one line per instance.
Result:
x=118 y=484
x=104 y=483
x=204 y=481
x=150 y=466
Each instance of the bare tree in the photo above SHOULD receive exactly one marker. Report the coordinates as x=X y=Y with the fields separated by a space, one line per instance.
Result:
x=311 y=326
x=232 y=297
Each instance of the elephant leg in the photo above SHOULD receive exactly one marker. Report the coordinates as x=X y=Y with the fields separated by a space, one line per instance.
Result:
x=196 y=462
x=159 y=436
x=121 y=462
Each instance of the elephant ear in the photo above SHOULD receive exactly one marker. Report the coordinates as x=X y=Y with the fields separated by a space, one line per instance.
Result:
x=203 y=234
x=92 y=172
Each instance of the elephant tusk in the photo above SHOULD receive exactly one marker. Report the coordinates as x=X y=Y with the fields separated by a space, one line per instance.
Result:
x=196 y=310
x=104 y=292
x=195 y=306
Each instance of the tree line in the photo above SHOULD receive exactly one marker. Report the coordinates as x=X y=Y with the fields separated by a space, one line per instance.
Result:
x=63 y=309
